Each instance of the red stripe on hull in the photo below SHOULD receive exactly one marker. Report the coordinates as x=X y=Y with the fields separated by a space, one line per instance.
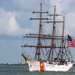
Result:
x=41 y=66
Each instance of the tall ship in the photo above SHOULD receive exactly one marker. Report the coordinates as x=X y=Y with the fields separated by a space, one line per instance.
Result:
x=51 y=50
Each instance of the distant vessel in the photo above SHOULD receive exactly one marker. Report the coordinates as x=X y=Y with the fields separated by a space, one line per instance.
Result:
x=53 y=56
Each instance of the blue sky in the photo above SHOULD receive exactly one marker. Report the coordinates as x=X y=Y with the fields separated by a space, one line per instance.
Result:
x=14 y=24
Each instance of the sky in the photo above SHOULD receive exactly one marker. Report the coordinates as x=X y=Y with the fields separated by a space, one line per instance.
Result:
x=15 y=23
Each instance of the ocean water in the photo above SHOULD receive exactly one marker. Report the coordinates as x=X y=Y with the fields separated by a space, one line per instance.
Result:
x=23 y=70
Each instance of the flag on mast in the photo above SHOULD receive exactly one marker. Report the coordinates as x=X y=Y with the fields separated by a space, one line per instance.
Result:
x=71 y=41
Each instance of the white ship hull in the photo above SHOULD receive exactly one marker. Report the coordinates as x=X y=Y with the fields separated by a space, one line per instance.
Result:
x=43 y=66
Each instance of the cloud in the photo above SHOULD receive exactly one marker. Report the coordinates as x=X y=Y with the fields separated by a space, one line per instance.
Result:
x=26 y=4
x=9 y=24
x=70 y=22
x=62 y=5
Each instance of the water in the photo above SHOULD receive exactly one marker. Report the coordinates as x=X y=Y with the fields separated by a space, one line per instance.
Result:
x=23 y=70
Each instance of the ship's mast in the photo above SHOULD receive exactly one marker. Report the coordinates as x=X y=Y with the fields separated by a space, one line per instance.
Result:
x=53 y=32
x=40 y=29
x=54 y=19
x=63 y=38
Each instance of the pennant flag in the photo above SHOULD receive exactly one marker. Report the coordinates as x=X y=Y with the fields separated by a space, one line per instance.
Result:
x=71 y=41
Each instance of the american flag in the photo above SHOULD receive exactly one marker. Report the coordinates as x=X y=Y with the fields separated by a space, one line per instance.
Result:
x=71 y=41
